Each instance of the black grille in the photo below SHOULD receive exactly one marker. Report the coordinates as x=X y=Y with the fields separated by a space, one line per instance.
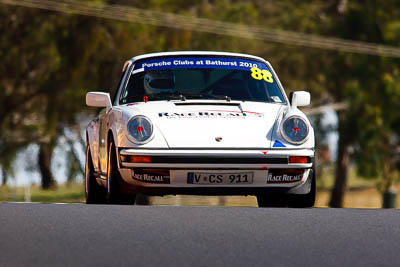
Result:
x=212 y=160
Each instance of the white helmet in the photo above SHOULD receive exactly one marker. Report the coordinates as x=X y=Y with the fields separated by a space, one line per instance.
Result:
x=159 y=81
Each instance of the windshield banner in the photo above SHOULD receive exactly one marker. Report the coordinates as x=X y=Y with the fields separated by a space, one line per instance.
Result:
x=198 y=62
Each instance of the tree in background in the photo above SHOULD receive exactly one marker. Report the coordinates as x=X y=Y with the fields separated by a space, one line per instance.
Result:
x=48 y=59
x=366 y=125
x=20 y=90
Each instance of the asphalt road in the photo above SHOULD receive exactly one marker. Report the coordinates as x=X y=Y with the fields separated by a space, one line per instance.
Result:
x=100 y=235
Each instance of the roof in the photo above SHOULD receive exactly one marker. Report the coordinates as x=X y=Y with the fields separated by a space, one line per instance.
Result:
x=196 y=53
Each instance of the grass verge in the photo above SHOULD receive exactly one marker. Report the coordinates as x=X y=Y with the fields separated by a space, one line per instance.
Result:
x=64 y=193
x=366 y=197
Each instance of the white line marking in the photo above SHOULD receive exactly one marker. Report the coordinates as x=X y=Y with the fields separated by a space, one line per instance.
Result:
x=39 y=203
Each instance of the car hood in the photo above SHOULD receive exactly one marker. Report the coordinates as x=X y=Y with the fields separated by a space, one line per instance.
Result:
x=211 y=124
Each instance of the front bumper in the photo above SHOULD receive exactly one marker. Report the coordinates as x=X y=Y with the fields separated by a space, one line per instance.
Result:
x=179 y=164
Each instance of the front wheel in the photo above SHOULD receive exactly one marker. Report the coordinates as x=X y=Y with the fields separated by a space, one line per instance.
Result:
x=291 y=200
x=114 y=194
x=272 y=201
x=94 y=193
x=306 y=200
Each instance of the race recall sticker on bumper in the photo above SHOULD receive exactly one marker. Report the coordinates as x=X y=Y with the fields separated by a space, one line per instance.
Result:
x=287 y=176
x=152 y=176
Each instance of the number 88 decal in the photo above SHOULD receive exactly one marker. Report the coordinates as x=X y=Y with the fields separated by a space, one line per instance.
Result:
x=258 y=74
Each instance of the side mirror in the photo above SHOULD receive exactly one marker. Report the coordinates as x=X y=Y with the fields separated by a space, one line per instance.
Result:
x=300 y=99
x=98 y=99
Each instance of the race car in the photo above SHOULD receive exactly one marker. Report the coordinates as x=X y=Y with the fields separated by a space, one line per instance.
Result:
x=200 y=123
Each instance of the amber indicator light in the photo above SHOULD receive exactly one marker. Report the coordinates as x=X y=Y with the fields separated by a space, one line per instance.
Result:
x=140 y=159
x=298 y=159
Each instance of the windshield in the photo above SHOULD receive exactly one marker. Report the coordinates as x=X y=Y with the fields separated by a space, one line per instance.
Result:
x=181 y=78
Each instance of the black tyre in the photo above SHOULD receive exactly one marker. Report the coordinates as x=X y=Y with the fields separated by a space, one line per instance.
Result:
x=306 y=200
x=290 y=200
x=94 y=193
x=272 y=200
x=114 y=194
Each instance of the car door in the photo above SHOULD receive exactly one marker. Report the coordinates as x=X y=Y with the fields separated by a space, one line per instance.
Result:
x=104 y=119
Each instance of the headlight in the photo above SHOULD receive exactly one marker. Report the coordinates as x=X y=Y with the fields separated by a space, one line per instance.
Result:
x=295 y=130
x=140 y=129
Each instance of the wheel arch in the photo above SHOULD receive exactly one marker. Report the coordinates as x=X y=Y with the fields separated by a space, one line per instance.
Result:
x=89 y=145
x=92 y=138
x=111 y=138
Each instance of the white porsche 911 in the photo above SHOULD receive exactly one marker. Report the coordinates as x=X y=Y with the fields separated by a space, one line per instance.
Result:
x=200 y=123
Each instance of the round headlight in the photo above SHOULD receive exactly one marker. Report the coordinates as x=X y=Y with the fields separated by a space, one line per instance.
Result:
x=295 y=130
x=140 y=129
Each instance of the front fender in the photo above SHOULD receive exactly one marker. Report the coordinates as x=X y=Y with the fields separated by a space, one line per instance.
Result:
x=115 y=126
x=92 y=140
x=118 y=125
x=279 y=142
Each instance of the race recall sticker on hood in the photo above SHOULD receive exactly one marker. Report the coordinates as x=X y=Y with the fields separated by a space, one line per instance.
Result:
x=209 y=114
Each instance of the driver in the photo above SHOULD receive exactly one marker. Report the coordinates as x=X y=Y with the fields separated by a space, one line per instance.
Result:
x=159 y=82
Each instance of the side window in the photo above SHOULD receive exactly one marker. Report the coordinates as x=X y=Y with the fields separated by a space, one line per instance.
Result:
x=116 y=90
x=134 y=90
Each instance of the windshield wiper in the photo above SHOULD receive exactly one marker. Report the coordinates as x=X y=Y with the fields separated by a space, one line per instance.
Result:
x=184 y=97
x=207 y=96
x=167 y=96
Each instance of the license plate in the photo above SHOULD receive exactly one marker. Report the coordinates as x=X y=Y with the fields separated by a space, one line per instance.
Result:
x=220 y=178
